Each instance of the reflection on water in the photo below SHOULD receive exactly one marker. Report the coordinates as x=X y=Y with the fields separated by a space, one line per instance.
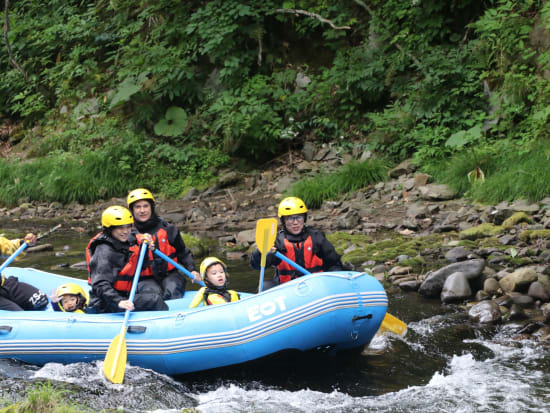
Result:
x=442 y=365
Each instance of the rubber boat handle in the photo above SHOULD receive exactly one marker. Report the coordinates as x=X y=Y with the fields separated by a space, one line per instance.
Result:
x=5 y=329
x=137 y=329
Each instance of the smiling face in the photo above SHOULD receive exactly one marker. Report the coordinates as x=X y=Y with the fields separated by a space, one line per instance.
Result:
x=69 y=302
x=121 y=232
x=294 y=223
x=215 y=275
x=142 y=210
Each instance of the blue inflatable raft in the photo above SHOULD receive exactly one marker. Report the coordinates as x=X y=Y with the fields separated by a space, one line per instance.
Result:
x=338 y=311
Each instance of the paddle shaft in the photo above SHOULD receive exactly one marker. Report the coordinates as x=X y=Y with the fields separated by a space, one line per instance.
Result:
x=13 y=256
x=118 y=346
x=289 y=261
x=175 y=264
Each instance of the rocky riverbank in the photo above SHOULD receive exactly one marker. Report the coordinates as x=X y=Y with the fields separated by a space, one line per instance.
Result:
x=491 y=260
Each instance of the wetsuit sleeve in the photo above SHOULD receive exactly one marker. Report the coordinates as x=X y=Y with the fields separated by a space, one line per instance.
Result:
x=104 y=268
x=331 y=259
x=184 y=255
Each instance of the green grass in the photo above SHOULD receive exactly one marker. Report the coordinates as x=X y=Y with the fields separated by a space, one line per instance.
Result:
x=349 y=178
x=44 y=398
x=511 y=172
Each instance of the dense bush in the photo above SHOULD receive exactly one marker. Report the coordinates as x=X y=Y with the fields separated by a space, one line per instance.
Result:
x=177 y=88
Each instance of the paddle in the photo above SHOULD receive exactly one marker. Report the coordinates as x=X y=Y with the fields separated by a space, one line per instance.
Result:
x=266 y=232
x=175 y=264
x=22 y=248
x=390 y=323
x=115 y=359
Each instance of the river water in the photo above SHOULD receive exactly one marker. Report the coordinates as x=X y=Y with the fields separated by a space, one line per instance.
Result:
x=443 y=364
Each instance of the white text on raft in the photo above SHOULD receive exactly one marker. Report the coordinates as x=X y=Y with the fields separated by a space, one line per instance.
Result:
x=256 y=312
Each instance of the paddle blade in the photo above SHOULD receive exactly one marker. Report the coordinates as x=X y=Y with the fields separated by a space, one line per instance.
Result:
x=115 y=360
x=393 y=324
x=266 y=232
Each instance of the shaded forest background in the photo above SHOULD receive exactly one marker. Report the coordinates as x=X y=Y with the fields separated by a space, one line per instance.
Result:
x=100 y=96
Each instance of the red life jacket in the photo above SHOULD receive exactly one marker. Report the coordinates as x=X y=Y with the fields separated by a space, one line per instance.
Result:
x=301 y=253
x=162 y=242
x=126 y=274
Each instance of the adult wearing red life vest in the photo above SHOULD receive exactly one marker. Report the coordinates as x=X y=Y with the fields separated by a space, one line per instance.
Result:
x=112 y=262
x=304 y=245
x=167 y=239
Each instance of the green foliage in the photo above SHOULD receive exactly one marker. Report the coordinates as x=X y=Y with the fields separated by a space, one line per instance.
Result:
x=510 y=173
x=45 y=398
x=218 y=78
x=348 y=178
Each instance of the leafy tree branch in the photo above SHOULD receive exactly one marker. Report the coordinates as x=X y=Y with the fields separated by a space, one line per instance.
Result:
x=314 y=15
x=6 y=31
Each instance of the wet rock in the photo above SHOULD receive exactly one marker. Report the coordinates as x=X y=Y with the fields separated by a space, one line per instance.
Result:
x=504 y=300
x=523 y=300
x=516 y=313
x=433 y=283
x=538 y=292
x=485 y=312
x=411 y=285
x=456 y=288
x=546 y=312
x=491 y=286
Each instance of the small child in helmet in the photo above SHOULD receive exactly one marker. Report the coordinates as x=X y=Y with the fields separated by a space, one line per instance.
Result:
x=71 y=298
x=214 y=274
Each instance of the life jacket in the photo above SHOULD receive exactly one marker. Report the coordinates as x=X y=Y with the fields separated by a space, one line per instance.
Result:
x=207 y=296
x=125 y=276
x=161 y=240
x=301 y=253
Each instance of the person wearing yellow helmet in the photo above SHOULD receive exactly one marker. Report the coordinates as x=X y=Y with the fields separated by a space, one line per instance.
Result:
x=70 y=297
x=167 y=238
x=16 y=295
x=304 y=245
x=112 y=259
x=214 y=274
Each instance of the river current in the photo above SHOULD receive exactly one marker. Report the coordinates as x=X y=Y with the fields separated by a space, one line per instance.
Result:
x=443 y=364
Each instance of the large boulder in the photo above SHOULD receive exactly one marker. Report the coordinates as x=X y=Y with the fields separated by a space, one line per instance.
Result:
x=434 y=280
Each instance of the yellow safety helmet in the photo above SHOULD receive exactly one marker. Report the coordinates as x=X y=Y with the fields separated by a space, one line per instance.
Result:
x=209 y=261
x=115 y=216
x=138 y=195
x=74 y=289
x=291 y=206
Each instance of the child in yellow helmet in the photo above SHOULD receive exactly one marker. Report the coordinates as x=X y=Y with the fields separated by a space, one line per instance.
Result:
x=70 y=297
x=214 y=274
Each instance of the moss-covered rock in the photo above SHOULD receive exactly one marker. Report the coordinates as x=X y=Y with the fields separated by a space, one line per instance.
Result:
x=481 y=231
x=515 y=219
x=529 y=235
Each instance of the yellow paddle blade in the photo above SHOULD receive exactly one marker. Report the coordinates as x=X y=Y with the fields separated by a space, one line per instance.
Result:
x=115 y=360
x=393 y=324
x=266 y=232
